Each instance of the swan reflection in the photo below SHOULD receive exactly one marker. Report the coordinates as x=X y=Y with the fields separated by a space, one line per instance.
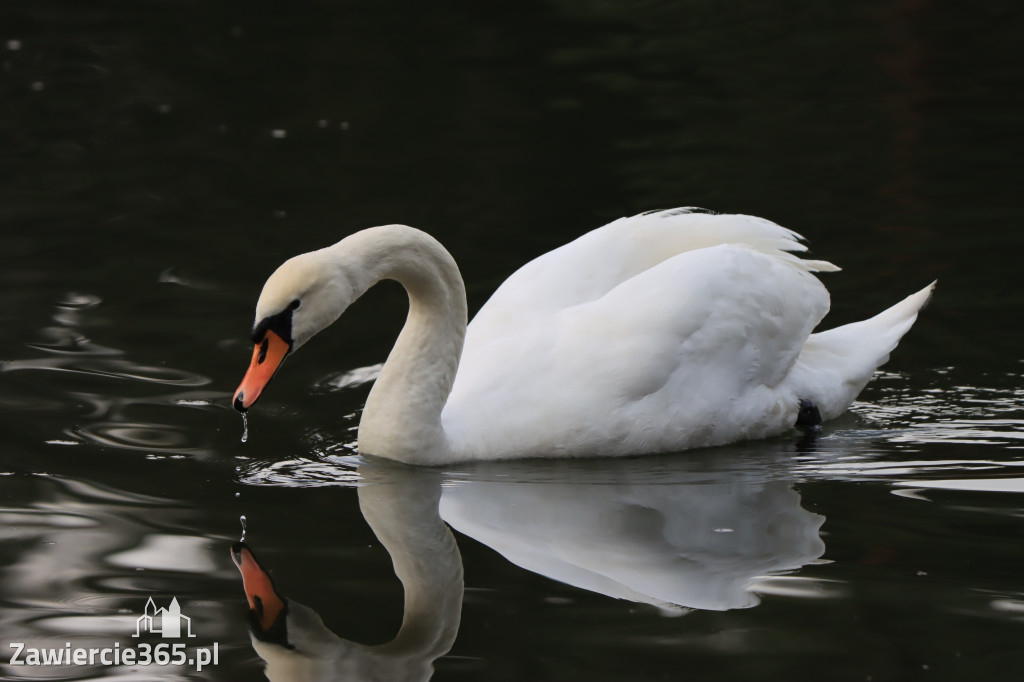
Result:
x=401 y=506
x=673 y=532
x=668 y=531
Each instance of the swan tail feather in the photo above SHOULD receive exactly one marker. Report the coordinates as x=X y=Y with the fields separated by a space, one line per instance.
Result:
x=821 y=266
x=835 y=365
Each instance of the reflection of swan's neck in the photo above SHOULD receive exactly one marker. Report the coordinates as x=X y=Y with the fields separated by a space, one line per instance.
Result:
x=406 y=520
x=402 y=416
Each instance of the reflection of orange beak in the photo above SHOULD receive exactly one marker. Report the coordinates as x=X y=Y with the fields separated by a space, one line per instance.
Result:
x=267 y=356
x=258 y=585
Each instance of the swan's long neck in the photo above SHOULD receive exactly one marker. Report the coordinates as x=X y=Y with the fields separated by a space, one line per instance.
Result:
x=402 y=416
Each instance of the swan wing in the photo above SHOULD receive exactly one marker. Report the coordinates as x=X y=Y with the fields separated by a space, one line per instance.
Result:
x=589 y=267
x=690 y=351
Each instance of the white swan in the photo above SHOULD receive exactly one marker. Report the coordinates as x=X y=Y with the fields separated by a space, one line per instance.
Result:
x=661 y=332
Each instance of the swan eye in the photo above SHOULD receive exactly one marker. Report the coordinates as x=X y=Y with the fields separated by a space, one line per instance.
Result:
x=263 y=351
x=294 y=305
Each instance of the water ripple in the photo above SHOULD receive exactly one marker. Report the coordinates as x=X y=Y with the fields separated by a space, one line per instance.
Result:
x=118 y=369
x=173 y=276
x=22 y=520
x=163 y=438
x=981 y=427
x=339 y=381
x=66 y=340
x=951 y=414
x=75 y=301
x=168 y=552
x=301 y=473
x=111 y=396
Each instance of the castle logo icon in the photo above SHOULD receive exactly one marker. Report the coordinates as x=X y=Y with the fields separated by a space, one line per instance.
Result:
x=168 y=622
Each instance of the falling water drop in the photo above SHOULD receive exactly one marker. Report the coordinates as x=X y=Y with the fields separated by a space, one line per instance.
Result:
x=245 y=427
x=242 y=521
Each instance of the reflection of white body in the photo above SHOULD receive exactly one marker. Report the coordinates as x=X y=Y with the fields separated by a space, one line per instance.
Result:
x=655 y=333
x=688 y=538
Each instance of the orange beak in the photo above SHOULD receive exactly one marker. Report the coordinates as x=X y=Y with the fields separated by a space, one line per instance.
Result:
x=259 y=587
x=267 y=356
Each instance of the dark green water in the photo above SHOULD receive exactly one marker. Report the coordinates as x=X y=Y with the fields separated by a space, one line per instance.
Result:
x=159 y=159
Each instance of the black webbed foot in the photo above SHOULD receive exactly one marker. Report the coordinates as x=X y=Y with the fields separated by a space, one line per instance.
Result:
x=808 y=419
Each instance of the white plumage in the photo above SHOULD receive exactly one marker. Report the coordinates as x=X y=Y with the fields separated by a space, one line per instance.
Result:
x=665 y=331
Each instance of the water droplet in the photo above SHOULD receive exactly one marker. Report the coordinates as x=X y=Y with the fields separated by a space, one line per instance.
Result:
x=245 y=427
x=241 y=520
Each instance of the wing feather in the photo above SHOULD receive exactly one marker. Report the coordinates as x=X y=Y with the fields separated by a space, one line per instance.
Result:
x=674 y=348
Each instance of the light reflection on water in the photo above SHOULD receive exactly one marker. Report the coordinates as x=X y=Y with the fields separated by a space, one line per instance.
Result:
x=111 y=393
x=80 y=560
x=301 y=472
x=898 y=417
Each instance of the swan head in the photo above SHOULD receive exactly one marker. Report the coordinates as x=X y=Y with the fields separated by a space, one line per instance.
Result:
x=302 y=297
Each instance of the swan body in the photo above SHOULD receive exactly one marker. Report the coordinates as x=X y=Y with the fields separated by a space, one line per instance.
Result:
x=661 y=332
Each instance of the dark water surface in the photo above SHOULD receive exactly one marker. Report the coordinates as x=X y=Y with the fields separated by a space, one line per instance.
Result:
x=159 y=159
